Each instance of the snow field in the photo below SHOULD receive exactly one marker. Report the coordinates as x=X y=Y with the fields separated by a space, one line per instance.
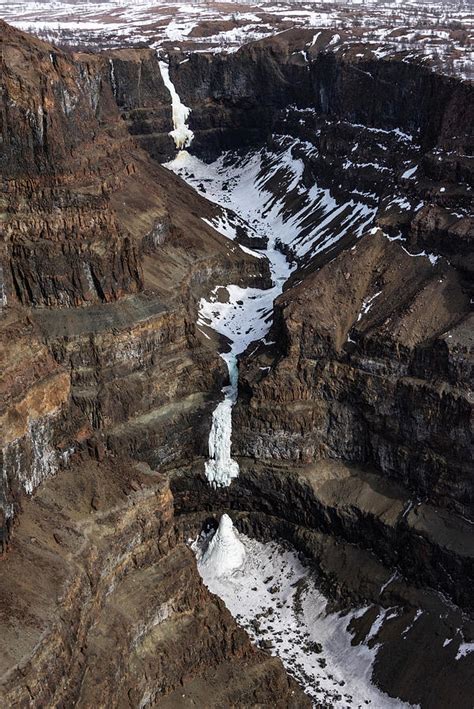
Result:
x=273 y=595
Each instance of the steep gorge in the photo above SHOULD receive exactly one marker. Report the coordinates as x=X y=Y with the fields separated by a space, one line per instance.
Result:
x=351 y=427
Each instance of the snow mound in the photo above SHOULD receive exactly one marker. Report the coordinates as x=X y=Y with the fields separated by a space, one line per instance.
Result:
x=225 y=552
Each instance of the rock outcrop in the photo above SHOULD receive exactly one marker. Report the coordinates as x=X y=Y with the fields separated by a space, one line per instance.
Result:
x=102 y=604
x=370 y=373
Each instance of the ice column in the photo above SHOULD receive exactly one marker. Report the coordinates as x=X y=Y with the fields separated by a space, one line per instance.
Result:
x=221 y=468
x=181 y=134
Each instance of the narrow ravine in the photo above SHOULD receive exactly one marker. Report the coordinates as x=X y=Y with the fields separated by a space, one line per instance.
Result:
x=240 y=186
x=265 y=586
x=242 y=315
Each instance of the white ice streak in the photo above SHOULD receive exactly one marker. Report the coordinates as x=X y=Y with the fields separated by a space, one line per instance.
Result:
x=387 y=583
x=464 y=649
x=433 y=258
x=225 y=552
x=273 y=596
x=242 y=315
x=367 y=304
x=181 y=134
x=408 y=174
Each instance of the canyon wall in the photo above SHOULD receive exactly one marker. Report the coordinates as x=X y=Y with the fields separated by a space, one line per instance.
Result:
x=352 y=428
x=104 y=256
x=382 y=383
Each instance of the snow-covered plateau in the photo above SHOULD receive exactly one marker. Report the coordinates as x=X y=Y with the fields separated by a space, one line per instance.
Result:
x=438 y=33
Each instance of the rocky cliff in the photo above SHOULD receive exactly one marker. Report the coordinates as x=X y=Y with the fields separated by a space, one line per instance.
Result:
x=387 y=322
x=103 y=259
x=102 y=603
x=89 y=221
x=352 y=427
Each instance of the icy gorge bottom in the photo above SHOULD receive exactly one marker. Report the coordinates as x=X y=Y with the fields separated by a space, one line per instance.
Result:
x=237 y=358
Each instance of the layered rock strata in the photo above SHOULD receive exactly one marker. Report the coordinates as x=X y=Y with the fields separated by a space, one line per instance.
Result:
x=369 y=547
x=351 y=430
x=104 y=256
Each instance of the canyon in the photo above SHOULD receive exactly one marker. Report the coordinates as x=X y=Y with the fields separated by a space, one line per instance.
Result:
x=233 y=286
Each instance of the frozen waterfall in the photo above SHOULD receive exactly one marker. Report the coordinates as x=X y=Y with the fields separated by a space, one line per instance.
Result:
x=241 y=315
x=181 y=134
x=221 y=468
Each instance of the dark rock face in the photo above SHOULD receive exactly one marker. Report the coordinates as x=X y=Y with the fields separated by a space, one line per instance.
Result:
x=143 y=100
x=396 y=398
x=64 y=151
x=116 y=611
x=360 y=389
x=355 y=528
x=258 y=80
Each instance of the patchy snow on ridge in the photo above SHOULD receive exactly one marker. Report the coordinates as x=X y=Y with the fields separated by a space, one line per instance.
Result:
x=367 y=304
x=274 y=597
x=437 y=34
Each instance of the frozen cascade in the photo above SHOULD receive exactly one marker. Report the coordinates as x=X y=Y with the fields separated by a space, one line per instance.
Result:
x=244 y=315
x=181 y=134
x=221 y=468
x=225 y=552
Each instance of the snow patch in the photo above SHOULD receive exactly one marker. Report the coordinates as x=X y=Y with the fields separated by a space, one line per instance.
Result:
x=275 y=598
x=367 y=304
x=409 y=173
x=464 y=649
